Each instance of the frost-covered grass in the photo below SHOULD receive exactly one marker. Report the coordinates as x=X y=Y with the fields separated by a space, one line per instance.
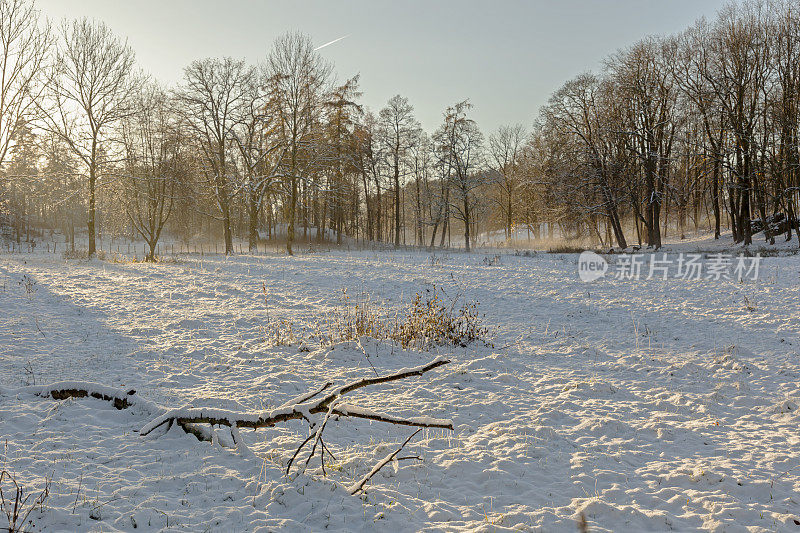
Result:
x=644 y=405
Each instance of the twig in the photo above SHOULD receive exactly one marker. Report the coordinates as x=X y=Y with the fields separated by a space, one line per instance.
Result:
x=322 y=456
x=325 y=448
x=318 y=434
x=78 y=495
x=17 y=514
x=297 y=451
x=357 y=487
x=307 y=395
x=364 y=351
x=36 y=322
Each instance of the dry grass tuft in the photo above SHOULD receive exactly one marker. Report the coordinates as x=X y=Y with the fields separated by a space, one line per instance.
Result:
x=431 y=319
x=14 y=502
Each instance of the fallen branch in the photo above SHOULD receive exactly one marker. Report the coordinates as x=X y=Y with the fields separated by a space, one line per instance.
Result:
x=63 y=394
x=303 y=410
x=193 y=420
x=357 y=487
x=82 y=389
x=202 y=433
x=419 y=421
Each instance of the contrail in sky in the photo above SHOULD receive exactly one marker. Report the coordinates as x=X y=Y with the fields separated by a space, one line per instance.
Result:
x=330 y=43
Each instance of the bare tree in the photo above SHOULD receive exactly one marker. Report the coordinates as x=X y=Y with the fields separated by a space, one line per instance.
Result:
x=689 y=73
x=645 y=88
x=369 y=160
x=584 y=155
x=25 y=47
x=89 y=90
x=787 y=109
x=398 y=130
x=298 y=80
x=154 y=162
x=737 y=72
x=461 y=143
x=505 y=149
x=213 y=97
x=261 y=149
x=421 y=159
x=342 y=115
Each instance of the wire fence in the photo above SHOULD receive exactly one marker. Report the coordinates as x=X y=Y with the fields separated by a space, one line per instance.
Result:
x=134 y=250
x=138 y=250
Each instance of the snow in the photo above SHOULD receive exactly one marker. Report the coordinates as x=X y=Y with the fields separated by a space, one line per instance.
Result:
x=644 y=404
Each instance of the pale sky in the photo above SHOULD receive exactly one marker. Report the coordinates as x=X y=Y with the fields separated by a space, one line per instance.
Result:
x=506 y=57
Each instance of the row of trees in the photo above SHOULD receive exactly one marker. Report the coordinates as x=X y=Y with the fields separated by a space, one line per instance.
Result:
x=700 y=126
x=254 y=147
x=703 y=124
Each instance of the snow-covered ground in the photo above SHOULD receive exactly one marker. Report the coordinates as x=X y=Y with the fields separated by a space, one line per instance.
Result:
x=643 y=404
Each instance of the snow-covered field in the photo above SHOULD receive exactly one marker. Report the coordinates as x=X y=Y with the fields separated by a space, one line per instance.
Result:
x=645 y=405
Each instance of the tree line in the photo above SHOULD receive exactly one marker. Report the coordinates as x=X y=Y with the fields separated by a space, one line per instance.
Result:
x=694 y=129
x=699 y=126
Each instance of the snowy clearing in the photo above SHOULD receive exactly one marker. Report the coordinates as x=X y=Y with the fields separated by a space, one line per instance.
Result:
x=646 y=405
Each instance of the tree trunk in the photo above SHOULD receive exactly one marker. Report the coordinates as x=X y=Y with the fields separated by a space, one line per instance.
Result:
x=396 y=201
x=92 y=183
x=367 y=205
x=466 y=221
x=292 y=209
x=715 y=199
x=226 y=220
x=252 y=234
x=379 y=211
x=509 y=217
